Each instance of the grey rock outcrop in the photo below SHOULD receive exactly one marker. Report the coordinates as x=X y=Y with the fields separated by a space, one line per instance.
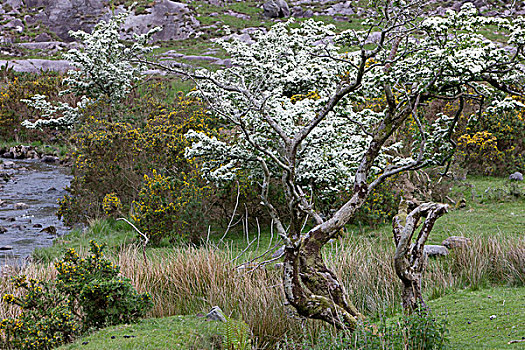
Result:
x=216 y=314
x=174 y=18
x=276 y=9
x=35 y=65
x=66 y=15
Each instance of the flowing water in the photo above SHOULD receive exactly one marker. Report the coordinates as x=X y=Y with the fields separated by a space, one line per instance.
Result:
x=39 y=185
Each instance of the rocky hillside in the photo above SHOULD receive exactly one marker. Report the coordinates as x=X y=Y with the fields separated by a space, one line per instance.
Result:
x=40 y=27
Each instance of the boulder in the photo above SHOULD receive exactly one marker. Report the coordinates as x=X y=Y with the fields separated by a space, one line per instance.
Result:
x=456 y=242
x=216 y=314
x=174 y=18
x=517 y=176
x=35 y=65
x=276 y=9
x=20 y=206
x=435 y=250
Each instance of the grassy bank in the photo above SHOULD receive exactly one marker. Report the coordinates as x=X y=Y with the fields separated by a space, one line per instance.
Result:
x=188 y=280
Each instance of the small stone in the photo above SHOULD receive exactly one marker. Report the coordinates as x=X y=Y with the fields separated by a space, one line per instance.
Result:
x=216 y=314
x=50 y=229
x=49 y=159
x=20 y=206
x=435 y=250
x=113 y=337
x=492 y=317
x=2 y=229
x=37 y=225
x=6 y=247
x=9 y=165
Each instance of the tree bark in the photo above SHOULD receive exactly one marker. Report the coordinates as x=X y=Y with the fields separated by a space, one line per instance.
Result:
x=314 y=290
x=410 y=260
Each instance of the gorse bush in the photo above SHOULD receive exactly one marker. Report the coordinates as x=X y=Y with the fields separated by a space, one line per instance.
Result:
x=493 y=144
x=17 y=86
x=46 y=320
x=171 y=207
x=114 y=157
x=87 y=293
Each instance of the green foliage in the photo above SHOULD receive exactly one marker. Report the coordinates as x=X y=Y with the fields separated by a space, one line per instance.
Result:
x=16 y=86
x=379 y=208
x=419 y=331
x=87 y=293
x=46 y=320
x=235 y=335
x=170 y=207
x=112 y=158
x=494 y=144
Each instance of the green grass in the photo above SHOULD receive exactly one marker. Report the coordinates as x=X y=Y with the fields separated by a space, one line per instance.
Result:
x=469 y=317
x=176 y=332
x=115 y=234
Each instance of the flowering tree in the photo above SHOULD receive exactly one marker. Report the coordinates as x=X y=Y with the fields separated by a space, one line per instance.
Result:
x=105 y=70
x=294 y=104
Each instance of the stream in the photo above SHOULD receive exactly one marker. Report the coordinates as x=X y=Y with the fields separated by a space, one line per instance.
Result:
x=34 y=225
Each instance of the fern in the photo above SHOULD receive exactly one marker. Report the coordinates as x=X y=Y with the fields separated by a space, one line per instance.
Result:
x=235 y=335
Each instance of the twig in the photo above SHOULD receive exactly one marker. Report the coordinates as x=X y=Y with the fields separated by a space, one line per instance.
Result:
x=263 y=254
x=146 y=239
x=245 y=249
x=233 y=214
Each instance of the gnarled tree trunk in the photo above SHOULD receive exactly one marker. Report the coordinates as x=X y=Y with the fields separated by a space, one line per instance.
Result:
x=314 y=290
x=410 y=258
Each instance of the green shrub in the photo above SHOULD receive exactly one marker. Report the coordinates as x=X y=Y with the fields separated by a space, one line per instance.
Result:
x=493 y=144
x=87 y=293
x=17 y=86
x=171 y=207
x=113 y=157
x=418 y=331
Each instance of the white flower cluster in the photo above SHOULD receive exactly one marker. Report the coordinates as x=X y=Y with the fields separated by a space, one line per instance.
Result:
x=104 y=70
x=289 y=74
x=285 y=79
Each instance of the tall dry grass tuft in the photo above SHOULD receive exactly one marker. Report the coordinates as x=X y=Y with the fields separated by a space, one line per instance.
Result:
x=192 y=280
x=42 y=272
x=367 y=272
